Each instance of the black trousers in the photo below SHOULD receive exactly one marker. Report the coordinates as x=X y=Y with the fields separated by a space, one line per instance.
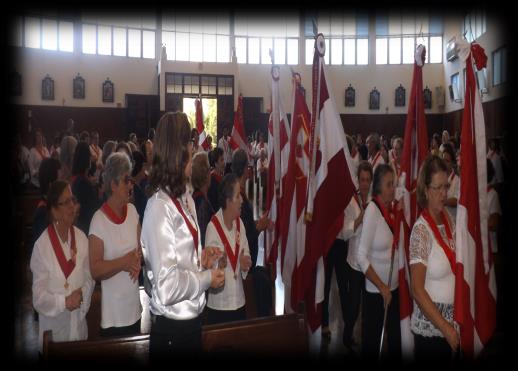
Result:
x=133 y=329
x=263 y=290
x=372 y=323
x=171 y=338
x=221 y=316
x=434 y=348
x=336 y=259
x=355 y=285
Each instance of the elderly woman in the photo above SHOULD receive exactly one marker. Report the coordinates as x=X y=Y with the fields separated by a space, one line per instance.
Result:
x=61 y=281
x=38 y=153
x=83 y=189
x=66 y=156
x=374 y=257
x=448 y=155
x=432 y=259
x=395 y=161
x=177 y=268
x=200 y=180
x=374 y=147
x=226 y=232
x=115 y=256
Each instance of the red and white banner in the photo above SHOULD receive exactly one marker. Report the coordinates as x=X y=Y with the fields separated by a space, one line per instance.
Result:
x=330 y=186
x=202 y=141
x=238 y=137
x=278 y=143
x=475 y=286
x=292 y=226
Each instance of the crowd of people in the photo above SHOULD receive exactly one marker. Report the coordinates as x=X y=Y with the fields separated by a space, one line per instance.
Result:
x=166 y=214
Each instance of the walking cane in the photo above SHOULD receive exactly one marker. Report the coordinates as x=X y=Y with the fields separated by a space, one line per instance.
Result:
x=385 y=305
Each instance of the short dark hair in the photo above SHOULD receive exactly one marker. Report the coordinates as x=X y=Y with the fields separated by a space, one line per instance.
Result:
x=239 y=162
x=48 y=173
x=84 y=134
x=81 y=159
x=226 y=189
x=379 y=173
x=364 y=166
x=138 y=162
x=216 y=153
x=56 y=188
x=448 y=148
x=171 y=154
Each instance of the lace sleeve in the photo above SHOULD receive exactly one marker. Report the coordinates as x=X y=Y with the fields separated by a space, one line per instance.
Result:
x=420 y=244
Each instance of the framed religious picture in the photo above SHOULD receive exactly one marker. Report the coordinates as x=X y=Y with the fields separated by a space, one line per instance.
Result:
x=108 y=91
x=47 y=88
x=374 y=99
x=350 y=94
x=78 y=87
x=427 y=97
x=15 y=84
x=400 y=96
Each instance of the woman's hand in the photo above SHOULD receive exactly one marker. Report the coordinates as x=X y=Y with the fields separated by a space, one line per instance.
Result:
x=74 y=300
x=209 y=256
x=217 y=278
x=387 y=295
x=133 y=263
x=452 y=337
x=262 y=223
x=245 y=262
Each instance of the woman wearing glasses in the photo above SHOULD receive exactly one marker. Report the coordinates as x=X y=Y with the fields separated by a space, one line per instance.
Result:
x=432 y=266
x=115 y=254
x=62 y=285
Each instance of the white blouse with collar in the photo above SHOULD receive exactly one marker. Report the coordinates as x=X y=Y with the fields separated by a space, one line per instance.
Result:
x=231 y=296
x=352 y=211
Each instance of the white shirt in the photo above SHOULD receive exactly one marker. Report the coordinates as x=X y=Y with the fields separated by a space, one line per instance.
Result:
x=376 y=160
x=227 y=151
x=178 y=285
x=375 y=249
x=496 y=160
x=439 y=279
x=494 y=208
x=232 y=295
x=49 y=292
x=355 y=164
x=34 y=163
x=453 y=192
x=120 y=303
x=352 y=211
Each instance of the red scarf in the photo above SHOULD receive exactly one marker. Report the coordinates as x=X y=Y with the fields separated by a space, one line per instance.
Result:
x=112 y=216
x=450 y=253
x=192 y=229
x=232 y=255
x=67 y=266
x=375 y=159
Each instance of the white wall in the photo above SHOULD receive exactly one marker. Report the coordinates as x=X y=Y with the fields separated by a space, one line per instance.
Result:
x=139 y=76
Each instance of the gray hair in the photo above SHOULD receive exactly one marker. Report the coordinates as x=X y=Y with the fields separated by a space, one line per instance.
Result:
x=108 y=149
x=117 y=165
x=67 y=149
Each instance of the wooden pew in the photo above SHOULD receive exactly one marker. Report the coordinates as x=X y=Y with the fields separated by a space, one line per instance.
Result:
x=282 y=336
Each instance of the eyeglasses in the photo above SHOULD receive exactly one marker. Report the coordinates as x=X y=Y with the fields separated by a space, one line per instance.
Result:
x=444 y=187
x=68 y=202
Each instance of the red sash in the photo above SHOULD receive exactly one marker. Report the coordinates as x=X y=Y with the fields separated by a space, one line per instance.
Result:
x=450 y=254
x=42 y=153
x=67 y=266
x=232 y=255
x=192 y=229
x=110 y=214
x=217 y=177
x=376 y=158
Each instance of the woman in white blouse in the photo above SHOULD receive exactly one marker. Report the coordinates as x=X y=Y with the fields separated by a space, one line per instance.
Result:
x=432 y=258
x=351 y=232
x=115 y=255
x=62 y=285
x=374 y=258
x=176 y=267
x=448 y=155
x=38 y=153
x=227 y=232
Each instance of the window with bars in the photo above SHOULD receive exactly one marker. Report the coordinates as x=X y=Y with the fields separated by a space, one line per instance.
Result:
x=398 y=34
x=259 y=37
x=196 y=38
x=42 y=33
x=124 y=36
x=346 y=36
x=206 y=85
